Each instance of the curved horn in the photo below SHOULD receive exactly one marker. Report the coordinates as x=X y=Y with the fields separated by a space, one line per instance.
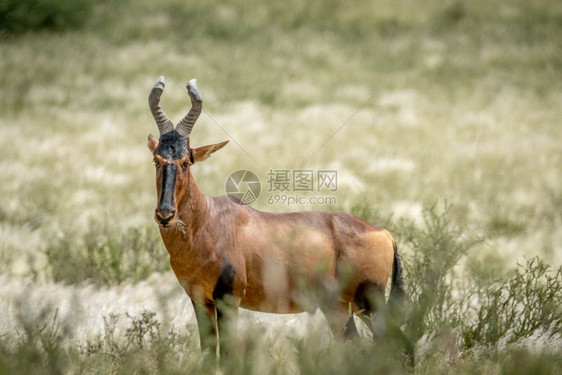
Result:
x=184 y=126
x=164 y=124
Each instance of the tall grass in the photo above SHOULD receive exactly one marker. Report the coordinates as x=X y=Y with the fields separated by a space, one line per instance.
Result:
x=453 y=322
x=104 y=256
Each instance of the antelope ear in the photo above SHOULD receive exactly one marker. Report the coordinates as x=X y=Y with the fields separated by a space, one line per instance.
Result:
x=152 y=143
x=203 y=153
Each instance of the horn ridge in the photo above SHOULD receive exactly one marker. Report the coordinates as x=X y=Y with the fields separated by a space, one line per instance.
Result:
x=185 y=126
x=162 y=121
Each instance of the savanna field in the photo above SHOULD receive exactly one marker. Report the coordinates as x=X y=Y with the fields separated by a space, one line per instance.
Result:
x=442 y=120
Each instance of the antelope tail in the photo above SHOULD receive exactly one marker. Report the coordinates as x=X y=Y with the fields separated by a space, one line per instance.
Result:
x=397 y=292
x=397 y=302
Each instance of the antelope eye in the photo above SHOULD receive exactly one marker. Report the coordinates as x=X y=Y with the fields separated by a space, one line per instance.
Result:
x=158 y=161
x=184 y=162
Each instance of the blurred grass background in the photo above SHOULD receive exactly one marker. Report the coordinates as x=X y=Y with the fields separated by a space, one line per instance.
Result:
x=455 y=101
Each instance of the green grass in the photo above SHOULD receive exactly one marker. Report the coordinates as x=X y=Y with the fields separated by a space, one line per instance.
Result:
x=459 y=103
x=31 y=15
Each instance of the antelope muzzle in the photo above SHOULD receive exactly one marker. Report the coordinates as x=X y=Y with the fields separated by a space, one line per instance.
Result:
x=165 y=212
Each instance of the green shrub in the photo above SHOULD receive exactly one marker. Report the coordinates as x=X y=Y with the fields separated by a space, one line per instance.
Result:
x=19 y=16
x=105 y=256
x=515 y=307
x=435 y=249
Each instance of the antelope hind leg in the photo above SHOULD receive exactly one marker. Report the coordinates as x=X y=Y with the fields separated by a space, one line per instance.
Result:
x=341 y=321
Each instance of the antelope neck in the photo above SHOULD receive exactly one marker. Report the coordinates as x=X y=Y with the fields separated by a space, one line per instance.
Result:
x=192 y=209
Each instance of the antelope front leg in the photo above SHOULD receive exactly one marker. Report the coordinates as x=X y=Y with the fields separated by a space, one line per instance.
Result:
x=227 y=314
x=227 y=307
x=207 y=326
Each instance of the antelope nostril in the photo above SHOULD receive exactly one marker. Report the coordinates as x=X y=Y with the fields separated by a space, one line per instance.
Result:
x=164 y=216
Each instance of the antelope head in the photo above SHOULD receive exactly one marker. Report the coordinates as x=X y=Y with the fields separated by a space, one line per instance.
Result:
x=173 y=156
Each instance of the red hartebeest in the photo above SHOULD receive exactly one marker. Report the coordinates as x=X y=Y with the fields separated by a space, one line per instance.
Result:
x=228 y=255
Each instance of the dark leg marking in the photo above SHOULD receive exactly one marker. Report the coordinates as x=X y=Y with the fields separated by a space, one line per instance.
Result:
x=225 y=282
x=369 y=297
x=226 y=305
